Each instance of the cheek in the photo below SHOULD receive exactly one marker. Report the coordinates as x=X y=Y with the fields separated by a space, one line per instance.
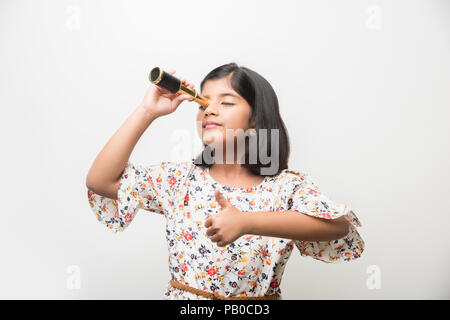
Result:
x=236 y=123
x=237 y=118
x=198 y=123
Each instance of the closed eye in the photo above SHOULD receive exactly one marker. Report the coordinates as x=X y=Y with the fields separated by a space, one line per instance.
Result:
x=226 y=103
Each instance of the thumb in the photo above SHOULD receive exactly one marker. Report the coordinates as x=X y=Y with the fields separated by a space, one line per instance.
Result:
x=183 y=97
x=221 y=199
x=180 y=98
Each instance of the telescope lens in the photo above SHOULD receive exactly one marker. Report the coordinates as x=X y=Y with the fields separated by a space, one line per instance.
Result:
x=164 y=80
x=154 y=74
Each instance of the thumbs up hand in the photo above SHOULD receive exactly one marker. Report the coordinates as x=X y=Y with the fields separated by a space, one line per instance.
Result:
x=227 y=225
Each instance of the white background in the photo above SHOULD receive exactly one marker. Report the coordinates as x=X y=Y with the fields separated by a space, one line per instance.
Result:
x=363 y=88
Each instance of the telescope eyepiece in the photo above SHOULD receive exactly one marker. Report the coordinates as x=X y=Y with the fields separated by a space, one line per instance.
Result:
x=165 y=80
x=154 y=74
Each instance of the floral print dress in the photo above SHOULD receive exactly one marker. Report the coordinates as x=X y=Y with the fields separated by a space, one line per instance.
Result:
x=252 y=265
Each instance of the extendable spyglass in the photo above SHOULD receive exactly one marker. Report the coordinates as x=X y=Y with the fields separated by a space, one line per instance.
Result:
x=167 y=81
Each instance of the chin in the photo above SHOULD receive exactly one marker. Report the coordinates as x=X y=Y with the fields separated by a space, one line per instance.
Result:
x=212 y=139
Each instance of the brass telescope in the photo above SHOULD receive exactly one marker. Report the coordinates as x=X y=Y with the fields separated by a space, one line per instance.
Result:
x=167 y=81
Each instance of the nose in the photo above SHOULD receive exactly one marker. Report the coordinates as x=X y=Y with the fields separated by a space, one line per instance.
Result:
x=212 y=108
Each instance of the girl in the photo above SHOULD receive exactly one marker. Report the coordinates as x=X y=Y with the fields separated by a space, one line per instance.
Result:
x=231 y=227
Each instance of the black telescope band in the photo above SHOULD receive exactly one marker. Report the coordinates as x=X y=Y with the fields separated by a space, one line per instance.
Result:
x=167 y=81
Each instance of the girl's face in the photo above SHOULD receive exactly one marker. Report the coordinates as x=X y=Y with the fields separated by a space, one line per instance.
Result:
x=227 y=108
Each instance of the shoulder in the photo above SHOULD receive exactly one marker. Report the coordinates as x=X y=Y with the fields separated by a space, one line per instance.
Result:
x=163 y=167
x=287 y=171
x=291 y=179
x=176 y=167
x=168 y=175
x=163 y=170
x=293 y=175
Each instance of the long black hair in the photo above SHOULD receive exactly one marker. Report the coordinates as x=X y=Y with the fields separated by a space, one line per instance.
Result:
x=265 y=113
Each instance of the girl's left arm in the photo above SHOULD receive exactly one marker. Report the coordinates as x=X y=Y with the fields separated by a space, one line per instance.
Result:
x=293 y=225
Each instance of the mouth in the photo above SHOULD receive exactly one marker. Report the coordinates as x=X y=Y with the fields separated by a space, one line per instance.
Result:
x=210 y=125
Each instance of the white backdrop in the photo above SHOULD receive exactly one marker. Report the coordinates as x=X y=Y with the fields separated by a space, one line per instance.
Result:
x=363 y=88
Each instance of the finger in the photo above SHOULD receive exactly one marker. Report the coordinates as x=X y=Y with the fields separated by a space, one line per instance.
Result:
x=216 y=238
x=185 y=97
x=221 y=244
x=208 y=222
x=211 y=231
x=179 y=99
x=185 y=83
x=220 y=198
x=162 y=90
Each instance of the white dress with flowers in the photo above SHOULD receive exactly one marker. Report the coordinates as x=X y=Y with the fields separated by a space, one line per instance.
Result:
x=252 y=265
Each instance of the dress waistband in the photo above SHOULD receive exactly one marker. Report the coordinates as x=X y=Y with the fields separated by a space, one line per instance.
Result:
x=217 y=296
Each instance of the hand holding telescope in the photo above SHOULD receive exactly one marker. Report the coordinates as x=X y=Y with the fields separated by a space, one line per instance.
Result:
x=167 y=81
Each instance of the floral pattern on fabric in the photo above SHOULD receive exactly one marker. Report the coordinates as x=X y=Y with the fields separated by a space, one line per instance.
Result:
x=140 y=187
x=252 y=265
x=308 y=199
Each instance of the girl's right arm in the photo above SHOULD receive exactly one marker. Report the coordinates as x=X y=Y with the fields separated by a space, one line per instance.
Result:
x=104 y=175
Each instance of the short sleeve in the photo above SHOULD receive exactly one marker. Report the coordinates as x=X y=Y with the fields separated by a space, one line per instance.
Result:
x=140 y=187
x=308 y=199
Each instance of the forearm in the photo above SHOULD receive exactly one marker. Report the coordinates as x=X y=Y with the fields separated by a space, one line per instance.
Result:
x=294 y=225
x=112 y=159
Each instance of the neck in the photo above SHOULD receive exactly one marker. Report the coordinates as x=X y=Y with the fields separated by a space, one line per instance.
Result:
x=231 y=171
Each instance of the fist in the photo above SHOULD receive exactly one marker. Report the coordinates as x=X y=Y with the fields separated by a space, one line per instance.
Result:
x=227 y=225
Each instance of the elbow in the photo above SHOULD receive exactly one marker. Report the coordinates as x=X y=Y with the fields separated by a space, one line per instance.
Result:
x=90 y=183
